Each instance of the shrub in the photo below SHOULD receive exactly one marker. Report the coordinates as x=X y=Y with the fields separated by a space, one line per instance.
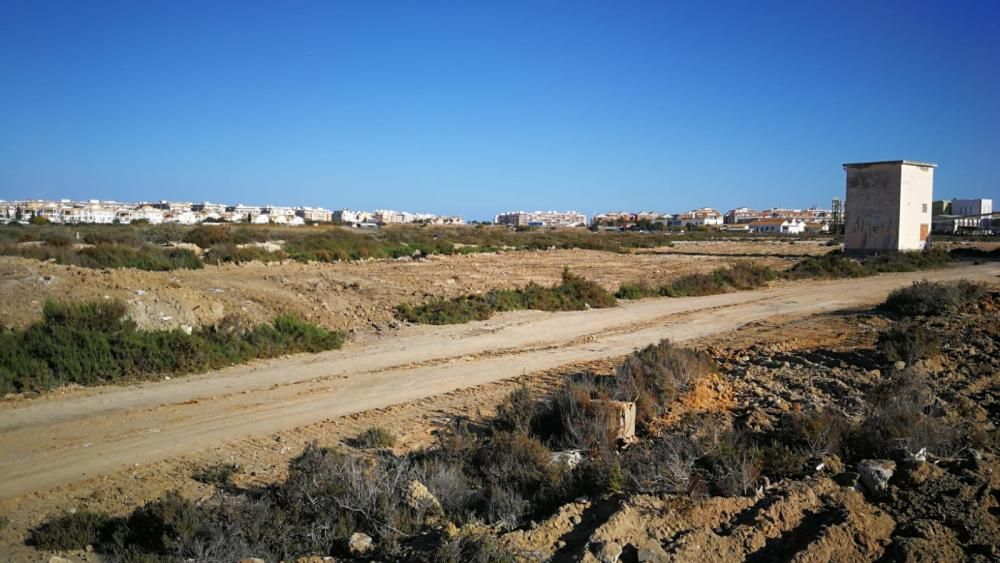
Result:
x=572 y=294
x=636 y=290
x=925 y=298
x=655 y=375
x=95 y=342
x=836 y=265
x=207 y=237
x=733 y=463
x=663 y=466
x=71 y=531
x=515 y=414
x=738 y=276
x=904 y=413
x=908 y=342
x=376 y=437
x=473 y=547
x=219 y=474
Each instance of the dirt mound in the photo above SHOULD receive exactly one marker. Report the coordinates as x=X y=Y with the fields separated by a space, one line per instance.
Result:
x=813 y=520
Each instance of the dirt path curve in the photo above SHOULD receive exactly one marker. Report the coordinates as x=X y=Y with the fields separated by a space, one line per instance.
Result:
x=57 y=440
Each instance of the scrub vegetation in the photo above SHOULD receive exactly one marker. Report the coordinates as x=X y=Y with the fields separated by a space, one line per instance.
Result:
x=96 y=343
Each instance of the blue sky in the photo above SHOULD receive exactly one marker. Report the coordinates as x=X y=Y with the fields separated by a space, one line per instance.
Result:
x=478 y=107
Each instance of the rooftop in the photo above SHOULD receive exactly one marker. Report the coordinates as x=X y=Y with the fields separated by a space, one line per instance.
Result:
x=908 y=162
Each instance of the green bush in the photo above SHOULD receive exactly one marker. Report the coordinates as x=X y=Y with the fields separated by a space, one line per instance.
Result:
x=835 y=265
x=925 y=298
x=110 y=255
x=908 y=342
x=574 y=293
x=95 y=342
x=71 y=531
x=738 y=276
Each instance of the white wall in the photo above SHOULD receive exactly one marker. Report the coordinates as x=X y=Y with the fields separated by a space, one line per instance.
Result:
x=916 y=198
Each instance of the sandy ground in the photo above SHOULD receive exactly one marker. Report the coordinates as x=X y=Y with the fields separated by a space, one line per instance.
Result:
x=108 y=445
x=355 y=296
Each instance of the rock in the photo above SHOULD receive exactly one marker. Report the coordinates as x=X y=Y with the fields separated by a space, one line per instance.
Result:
x=360 y=544
x=899 y=366
x=875 y=474
x=651 y=552
x=57 y=559
x=418 y=497
x=252 y=560
x=626 y=419
x=571 y=458
x=575 y=519
x=610 y=552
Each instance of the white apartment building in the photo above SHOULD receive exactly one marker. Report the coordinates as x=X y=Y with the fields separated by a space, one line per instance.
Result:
x=541 y=219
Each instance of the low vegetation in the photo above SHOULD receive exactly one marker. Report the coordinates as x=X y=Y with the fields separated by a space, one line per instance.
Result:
x=153 y=247
x=836 y=265
x=925 y=298
x=96 y=343
x=573 y=293
x=738 y=276
x=376 y=437
x=219 y=474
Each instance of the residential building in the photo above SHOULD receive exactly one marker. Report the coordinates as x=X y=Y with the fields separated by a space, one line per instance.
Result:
x=701 y=217
x=778 y=226
x=741 y=215
x=541 y=219
x=888 y=205
x=314 y=214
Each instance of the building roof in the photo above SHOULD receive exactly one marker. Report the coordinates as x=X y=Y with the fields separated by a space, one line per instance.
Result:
x=907 y=162
x=771 y=221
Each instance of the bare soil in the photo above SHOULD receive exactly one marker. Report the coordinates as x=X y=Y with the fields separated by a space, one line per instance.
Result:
x=352 y=296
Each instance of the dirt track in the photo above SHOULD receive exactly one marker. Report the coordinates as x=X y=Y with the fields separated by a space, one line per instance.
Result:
x=62 y=439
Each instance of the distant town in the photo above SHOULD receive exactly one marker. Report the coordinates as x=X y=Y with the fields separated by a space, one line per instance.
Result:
x=959 y=215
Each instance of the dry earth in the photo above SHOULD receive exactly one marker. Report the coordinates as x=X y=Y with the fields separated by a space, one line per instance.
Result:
x=354 y=296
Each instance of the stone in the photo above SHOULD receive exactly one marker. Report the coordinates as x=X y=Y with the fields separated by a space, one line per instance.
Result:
x=418 y=497
x=899 y=366
x=360 y=544
x=571 y=458
x=610 y=552
x=575 y=519
x=626 y=419
x=57 y=559
x=875 y=474
x=252 y=560
x=651 y=552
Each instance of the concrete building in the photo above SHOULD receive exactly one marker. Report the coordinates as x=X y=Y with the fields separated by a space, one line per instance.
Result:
x=542 y=219
x=888 y=206
x=778 y=225
x=976 y=210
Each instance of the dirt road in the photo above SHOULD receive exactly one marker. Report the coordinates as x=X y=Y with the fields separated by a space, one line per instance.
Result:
x=56 y=440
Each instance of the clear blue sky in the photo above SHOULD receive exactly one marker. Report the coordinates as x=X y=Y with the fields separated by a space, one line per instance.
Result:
x=476 y=107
